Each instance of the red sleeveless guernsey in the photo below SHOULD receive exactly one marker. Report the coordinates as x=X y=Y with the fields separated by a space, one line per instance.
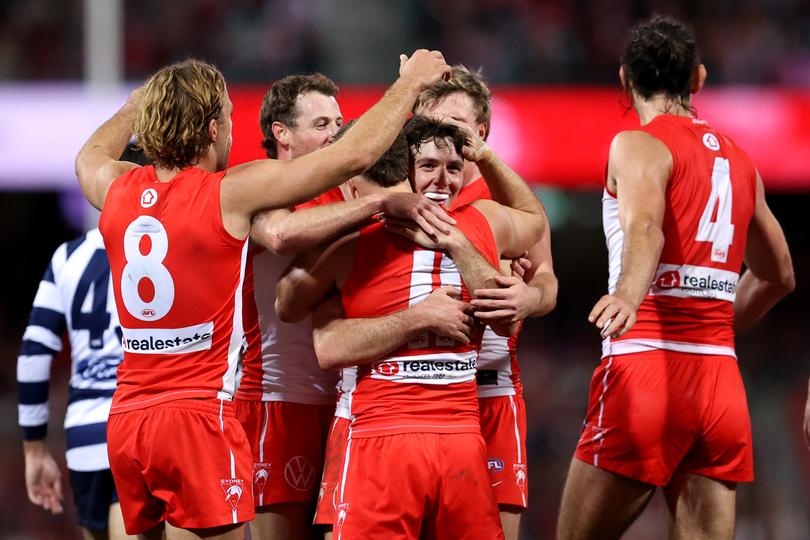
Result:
x=498 y=368
x=710 y=199
x=427 y=385
x=177 y=277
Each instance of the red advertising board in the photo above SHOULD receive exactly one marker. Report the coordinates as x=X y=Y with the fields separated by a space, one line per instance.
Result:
x=560 y=136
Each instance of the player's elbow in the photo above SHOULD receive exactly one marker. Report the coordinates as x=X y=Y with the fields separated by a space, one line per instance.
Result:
x=326 y=354
x=787 y=281
x=279 y=242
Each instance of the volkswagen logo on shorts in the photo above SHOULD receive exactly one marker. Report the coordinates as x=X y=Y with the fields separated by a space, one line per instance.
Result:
x=299 y=473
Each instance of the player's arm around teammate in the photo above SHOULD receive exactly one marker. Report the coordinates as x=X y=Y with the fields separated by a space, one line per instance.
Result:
x=262 y=184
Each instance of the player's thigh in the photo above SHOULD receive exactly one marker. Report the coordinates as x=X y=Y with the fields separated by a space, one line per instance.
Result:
x=503 y=427
x=332 y=470
x=510 y=521
x=700 y=508
x=116 y=520
x=599 y=504
x=226 y=532
x=386 y=485
x=292 y=453
x=638 y=425
x=466 y=508
x=284 y=521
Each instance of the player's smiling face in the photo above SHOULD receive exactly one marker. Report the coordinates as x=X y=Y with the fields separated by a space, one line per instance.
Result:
x=317 y=122
x=437 y=171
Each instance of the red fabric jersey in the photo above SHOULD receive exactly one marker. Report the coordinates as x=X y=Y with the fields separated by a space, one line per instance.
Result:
x=427 y=385
x=474 y=191
x=710 y=199
x=177 y=277
x=332 y=196
x=250 y=385
x=498 y=368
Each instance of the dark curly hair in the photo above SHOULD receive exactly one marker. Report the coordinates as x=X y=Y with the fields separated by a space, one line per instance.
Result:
x=660 y=57
x=279 y=102
x=421 y=129
x=392 y=167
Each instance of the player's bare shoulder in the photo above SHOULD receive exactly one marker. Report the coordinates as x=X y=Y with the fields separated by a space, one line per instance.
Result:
x=636 y=153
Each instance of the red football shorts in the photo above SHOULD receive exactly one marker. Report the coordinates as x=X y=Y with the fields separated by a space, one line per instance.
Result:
x=416 y=486
x=654 y=414
x=287 y=441
x=503 y=426
x=185 y=461
x=332 y=469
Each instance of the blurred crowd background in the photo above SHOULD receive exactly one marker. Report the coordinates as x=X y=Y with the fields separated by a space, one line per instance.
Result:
x=556 y=42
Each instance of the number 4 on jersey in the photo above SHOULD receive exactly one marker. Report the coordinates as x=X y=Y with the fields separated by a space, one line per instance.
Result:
x=94 y=318
x=720 y=231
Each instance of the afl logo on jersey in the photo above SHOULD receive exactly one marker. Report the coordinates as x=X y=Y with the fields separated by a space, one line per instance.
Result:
x=149 y=197
x=711 y=142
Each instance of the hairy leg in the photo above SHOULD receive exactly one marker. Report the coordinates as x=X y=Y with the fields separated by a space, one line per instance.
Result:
x=599 y=504
x=510 y=520
x=700 y=508
x=285 y=521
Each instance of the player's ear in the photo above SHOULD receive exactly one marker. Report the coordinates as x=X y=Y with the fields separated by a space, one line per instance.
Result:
x=212 y=130
x=280 y=132
x=698 y=78
x=623 y=77
x=482 y=130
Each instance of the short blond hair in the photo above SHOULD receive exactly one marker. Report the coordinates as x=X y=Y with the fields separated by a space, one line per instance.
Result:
x=462 y=79
x=177 y=104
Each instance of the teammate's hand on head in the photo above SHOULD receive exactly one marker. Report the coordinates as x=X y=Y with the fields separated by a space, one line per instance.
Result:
x=475 y=148
x=613 y=315
x=43 y=481
x=447 y=315
x=418 y=208
x=423 y=66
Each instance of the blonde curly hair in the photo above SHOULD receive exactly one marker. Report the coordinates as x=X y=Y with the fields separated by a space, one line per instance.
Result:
x=177 y=104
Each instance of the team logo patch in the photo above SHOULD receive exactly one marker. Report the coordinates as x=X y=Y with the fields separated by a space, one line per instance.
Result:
x=299 y=473
x=261 y=473
x=520 y=477
x=342 y=512
x=669 y=280
x=711 y=142
x=387 y=368
x=494 y=465
x=149 y=197
x=233 y=488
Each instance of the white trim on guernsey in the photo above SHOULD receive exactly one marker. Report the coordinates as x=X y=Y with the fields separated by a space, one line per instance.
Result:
x=237 y=333
x=631 y=346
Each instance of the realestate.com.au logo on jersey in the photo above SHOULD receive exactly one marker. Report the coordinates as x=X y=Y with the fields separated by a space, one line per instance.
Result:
x=168 y=340
x=695 y=281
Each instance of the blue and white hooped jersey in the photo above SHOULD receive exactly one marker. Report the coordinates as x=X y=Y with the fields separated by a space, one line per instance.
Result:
x=75 y=294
